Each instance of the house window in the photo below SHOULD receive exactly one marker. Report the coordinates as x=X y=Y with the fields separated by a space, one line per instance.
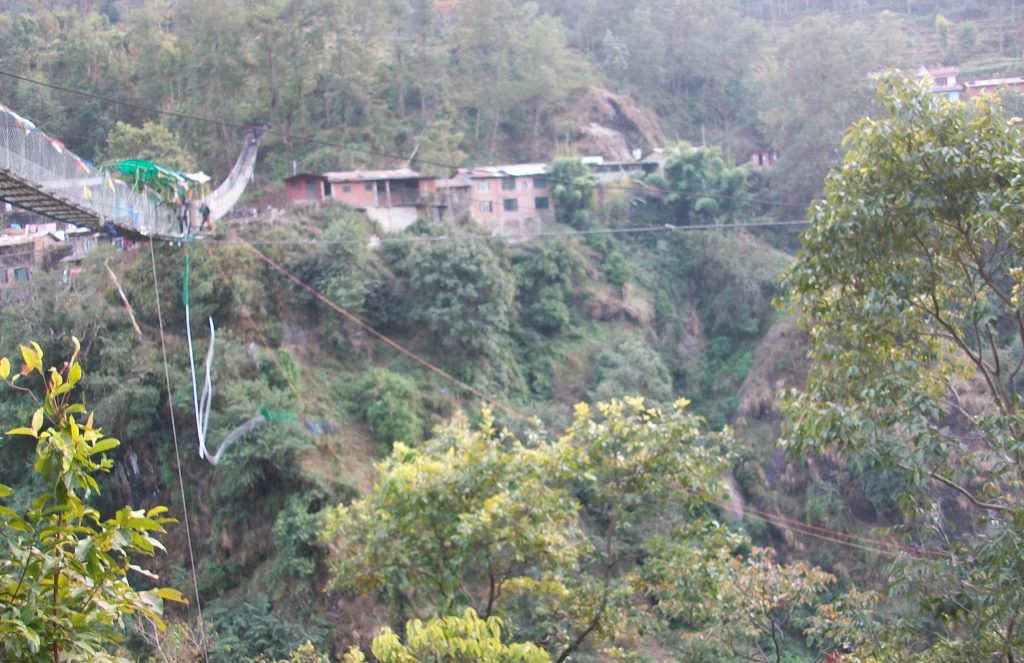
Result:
x=540 y=182
x=941 y=80
x=483 y=186
x=21 y=274
x=311 y=187
x=486 y=206
x=510 y=204
x=368 y=187
x=541 y=203
x=508 y=184
x=347 y=188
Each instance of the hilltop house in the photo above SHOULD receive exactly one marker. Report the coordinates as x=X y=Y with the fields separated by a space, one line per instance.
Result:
x=392 y=198
x=942 y=80
x=507 y=200
x=24 y=252
x=975 y=88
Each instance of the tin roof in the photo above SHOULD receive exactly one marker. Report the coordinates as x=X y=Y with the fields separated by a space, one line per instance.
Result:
x=511 y=170
x=372 y=175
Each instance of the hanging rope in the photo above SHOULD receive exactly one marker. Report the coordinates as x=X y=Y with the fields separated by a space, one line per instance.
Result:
x=124 y=298
x=202 y=403
x=238 y=433
x=177 y=454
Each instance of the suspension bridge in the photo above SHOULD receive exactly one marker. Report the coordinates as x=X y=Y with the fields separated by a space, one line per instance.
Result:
x=39 y=174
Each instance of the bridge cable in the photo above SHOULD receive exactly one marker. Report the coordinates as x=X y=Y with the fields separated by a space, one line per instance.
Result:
x=177 y=454
x=386 y=340
x=839 y=538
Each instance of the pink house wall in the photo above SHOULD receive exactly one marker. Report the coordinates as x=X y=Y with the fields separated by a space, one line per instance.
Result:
x=488 y=197
x=357 y=194
x=303 y=188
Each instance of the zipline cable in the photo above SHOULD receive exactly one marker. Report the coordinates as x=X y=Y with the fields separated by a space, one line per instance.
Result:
x=385 y=339
x=470 y=237
x=177 y=453
x=800 y=524
x=839 y=542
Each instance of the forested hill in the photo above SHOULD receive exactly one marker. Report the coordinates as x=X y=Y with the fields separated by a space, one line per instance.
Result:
x=647 y=434
x=482 y=81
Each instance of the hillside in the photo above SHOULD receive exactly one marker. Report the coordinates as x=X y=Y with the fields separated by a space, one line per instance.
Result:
x=420 y=337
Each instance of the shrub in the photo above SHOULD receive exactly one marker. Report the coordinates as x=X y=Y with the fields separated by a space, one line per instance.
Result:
x=389 y=403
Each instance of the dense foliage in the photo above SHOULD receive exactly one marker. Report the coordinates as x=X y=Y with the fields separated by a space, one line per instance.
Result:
x=549 y=535
x=909 y=283
x=65 y=569
x=908 y=289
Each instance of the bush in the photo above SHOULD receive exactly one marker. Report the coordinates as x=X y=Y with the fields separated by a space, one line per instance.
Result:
x=628 y=367
x=247 y=629
x=548 y=314
x=390 y=404
x=616 y=269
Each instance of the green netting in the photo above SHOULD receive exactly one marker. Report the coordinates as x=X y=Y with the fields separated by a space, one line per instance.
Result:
x=170 y=184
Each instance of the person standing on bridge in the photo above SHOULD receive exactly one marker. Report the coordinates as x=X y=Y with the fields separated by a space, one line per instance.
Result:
x=183 y=220
x=204 y=212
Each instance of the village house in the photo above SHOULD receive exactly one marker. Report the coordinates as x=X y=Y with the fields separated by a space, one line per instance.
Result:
x=942 y=80
x=393 y=198
x=760 y=159
x=23 y=252
x=507 y=200
x=1012 y=83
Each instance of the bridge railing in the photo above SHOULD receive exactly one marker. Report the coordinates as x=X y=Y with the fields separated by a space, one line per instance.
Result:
x=44 y=163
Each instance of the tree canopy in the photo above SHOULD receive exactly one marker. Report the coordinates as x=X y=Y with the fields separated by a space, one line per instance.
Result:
x=64 y=569
x=910 y=285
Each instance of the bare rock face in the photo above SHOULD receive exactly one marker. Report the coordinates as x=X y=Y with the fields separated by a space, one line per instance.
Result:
x=779 y=362
x=692 y=338
x=611 y=125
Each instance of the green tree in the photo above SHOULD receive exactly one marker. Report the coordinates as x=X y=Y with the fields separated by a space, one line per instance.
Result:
x=817 y=86
x=463 y=293
x=465 y=639
x=456 y=521
x=572 y=188
x=700 y=187
x=733 y=607
x=910 y=285
x=64 y=569
x=550 y=535
x=152 y=141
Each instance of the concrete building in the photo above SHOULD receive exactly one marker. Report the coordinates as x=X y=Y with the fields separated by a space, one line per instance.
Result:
x=1011 y=83
x=395 y=199
x=942 y=80
x=509 y=200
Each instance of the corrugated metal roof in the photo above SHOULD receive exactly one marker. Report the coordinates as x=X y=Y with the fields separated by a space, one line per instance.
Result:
x=511 y=170
x=996 y=82
x=372 y=175
x=24 y=238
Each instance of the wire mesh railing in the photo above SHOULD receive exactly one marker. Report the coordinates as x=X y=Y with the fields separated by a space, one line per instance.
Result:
x=47 y=166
